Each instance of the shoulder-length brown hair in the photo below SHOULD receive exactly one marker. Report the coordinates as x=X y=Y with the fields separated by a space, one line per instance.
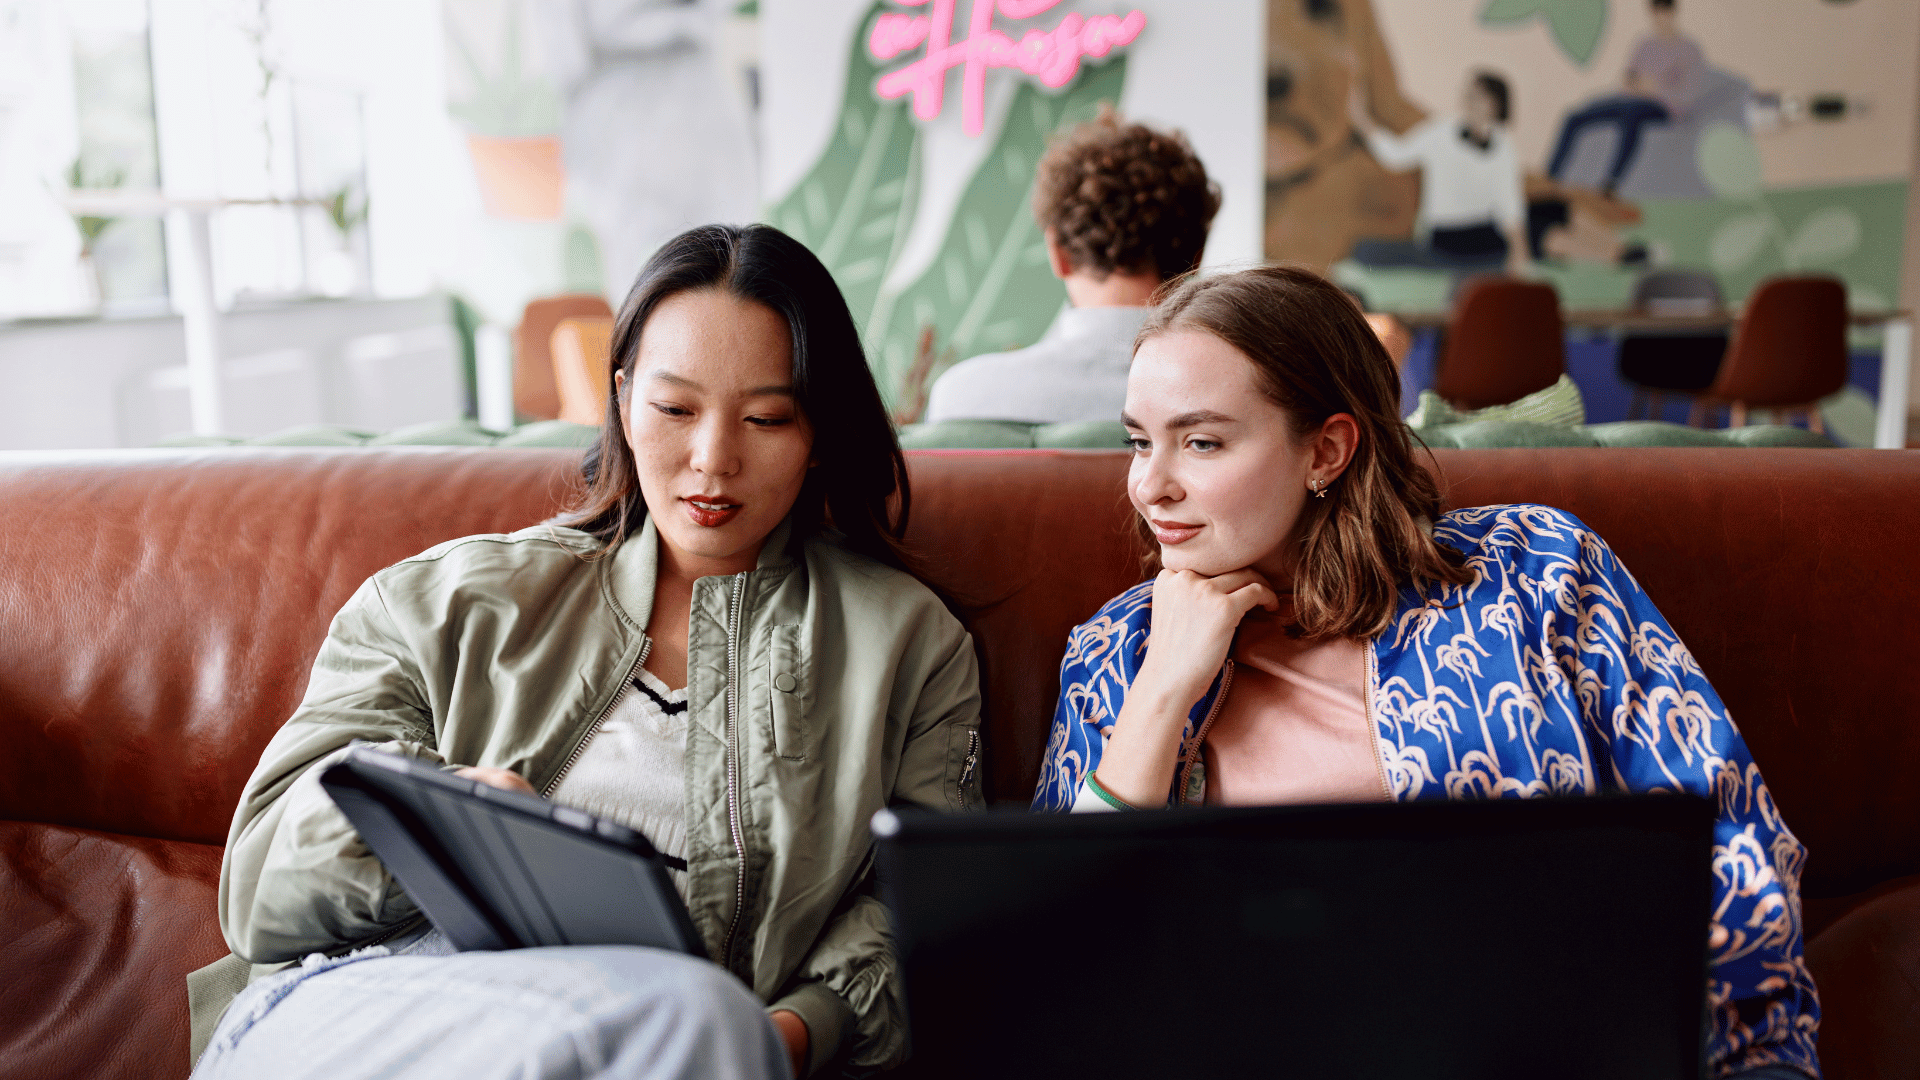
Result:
x=859 y=485
x=1315 y=356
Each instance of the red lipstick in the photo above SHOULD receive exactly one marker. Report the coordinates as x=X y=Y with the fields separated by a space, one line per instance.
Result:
x=710 y=511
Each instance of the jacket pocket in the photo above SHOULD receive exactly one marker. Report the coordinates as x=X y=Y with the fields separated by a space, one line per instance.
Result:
x=788 y=690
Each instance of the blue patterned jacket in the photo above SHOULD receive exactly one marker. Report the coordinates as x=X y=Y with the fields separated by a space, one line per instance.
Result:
x=1552 y=673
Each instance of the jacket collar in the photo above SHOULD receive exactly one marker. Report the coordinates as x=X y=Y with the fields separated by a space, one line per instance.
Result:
x=636 y=566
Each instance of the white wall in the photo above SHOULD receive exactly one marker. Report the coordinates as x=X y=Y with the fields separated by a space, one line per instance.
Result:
x=213 y=126
x=122 y=383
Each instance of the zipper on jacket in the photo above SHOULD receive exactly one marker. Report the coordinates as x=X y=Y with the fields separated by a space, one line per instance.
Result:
x=1200 y=735
x=411 y=922
x=973 y=758
x=738 y=600
x=646 y=646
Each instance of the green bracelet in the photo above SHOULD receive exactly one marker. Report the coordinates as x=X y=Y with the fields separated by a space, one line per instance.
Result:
x=1108 y=797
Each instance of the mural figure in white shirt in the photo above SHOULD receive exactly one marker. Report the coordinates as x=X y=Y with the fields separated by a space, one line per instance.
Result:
x=1473 y=214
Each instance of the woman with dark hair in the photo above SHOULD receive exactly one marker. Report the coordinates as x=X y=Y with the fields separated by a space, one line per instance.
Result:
x=717 y=647
x=1321 y=632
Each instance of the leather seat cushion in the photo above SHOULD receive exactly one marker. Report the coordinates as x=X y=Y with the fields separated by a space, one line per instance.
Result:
x=101 y=931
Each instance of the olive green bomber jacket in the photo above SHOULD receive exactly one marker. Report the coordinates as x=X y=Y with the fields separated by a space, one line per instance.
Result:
x=854 y=689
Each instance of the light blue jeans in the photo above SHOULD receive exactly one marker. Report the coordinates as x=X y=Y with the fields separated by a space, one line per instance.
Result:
x=529 y=1014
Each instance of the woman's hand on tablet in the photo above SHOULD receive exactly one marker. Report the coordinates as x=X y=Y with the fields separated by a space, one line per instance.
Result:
x=504 y=779
x=1194 y=620
x=793 y=1032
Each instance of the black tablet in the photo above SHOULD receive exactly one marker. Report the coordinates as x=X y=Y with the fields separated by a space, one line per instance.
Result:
x=497 y=869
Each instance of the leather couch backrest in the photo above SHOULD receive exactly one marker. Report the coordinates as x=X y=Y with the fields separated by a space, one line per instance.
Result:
x=159 y=611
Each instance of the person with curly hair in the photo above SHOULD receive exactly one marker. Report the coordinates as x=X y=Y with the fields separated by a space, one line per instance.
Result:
x=1125 y=208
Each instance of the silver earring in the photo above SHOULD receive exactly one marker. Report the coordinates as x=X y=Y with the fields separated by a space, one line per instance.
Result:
x=1318 y=487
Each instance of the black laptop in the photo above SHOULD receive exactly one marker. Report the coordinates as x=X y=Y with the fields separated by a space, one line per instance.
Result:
x=1560 y=939
x=497 y=869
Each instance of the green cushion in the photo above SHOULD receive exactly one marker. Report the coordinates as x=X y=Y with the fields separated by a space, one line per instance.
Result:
x=1503 y=434
x=1559 y=404
x=1085 y=435
x=1434 y=438
x=1655 y=433
x=313 y=435
x=461 y=432
x=1660 y=433
x=1776 y=435
x=967 y=435
x=561 y=433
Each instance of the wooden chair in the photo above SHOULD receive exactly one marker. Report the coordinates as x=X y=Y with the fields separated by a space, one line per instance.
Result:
x=1671 y=361
x=535 y=394
x=1788 y=352
x=582 y=371
x=1505 y=341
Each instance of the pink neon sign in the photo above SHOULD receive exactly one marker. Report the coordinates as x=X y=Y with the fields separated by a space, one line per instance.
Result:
x=1052 y=56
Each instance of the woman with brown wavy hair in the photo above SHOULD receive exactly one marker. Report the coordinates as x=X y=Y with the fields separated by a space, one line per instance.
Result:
x=1316 y=630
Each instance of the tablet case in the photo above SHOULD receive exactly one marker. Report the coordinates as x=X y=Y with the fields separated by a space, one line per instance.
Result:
x=496 y=869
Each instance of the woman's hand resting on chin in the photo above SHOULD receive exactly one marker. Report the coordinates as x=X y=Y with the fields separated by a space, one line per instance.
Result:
x=1194 y=620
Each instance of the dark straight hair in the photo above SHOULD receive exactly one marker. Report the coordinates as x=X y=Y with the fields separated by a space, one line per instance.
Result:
x=858 y=485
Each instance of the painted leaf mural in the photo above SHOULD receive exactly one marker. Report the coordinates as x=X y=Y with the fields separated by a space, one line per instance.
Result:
x=1576 y=25
x=854 y=207
x=990 y=289
x=1737 y=242
x=1827 y=236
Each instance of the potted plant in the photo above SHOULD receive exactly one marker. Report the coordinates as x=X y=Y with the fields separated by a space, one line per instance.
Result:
x=336 y=272
x=512 y=121
x=91 y=226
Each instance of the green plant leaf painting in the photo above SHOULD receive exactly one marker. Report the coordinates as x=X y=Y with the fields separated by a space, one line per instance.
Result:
x=1576 y=25
x=508 y=103
x=1826 y=236
x=853 y=209
x=1738 y=241
x=990 y=289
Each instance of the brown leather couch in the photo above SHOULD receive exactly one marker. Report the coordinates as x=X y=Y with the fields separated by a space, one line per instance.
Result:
x=159 y=610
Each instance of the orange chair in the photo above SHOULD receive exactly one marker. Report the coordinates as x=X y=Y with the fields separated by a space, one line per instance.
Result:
x=1788 y=352
x=535 y=394
x=581 y=371
x=1505 y=341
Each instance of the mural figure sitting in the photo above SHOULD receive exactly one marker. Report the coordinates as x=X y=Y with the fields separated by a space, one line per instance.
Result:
x=1665 y=80
x=1124 y=208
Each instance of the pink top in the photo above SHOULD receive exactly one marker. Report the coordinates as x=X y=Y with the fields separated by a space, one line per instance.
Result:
x=1294 y=728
